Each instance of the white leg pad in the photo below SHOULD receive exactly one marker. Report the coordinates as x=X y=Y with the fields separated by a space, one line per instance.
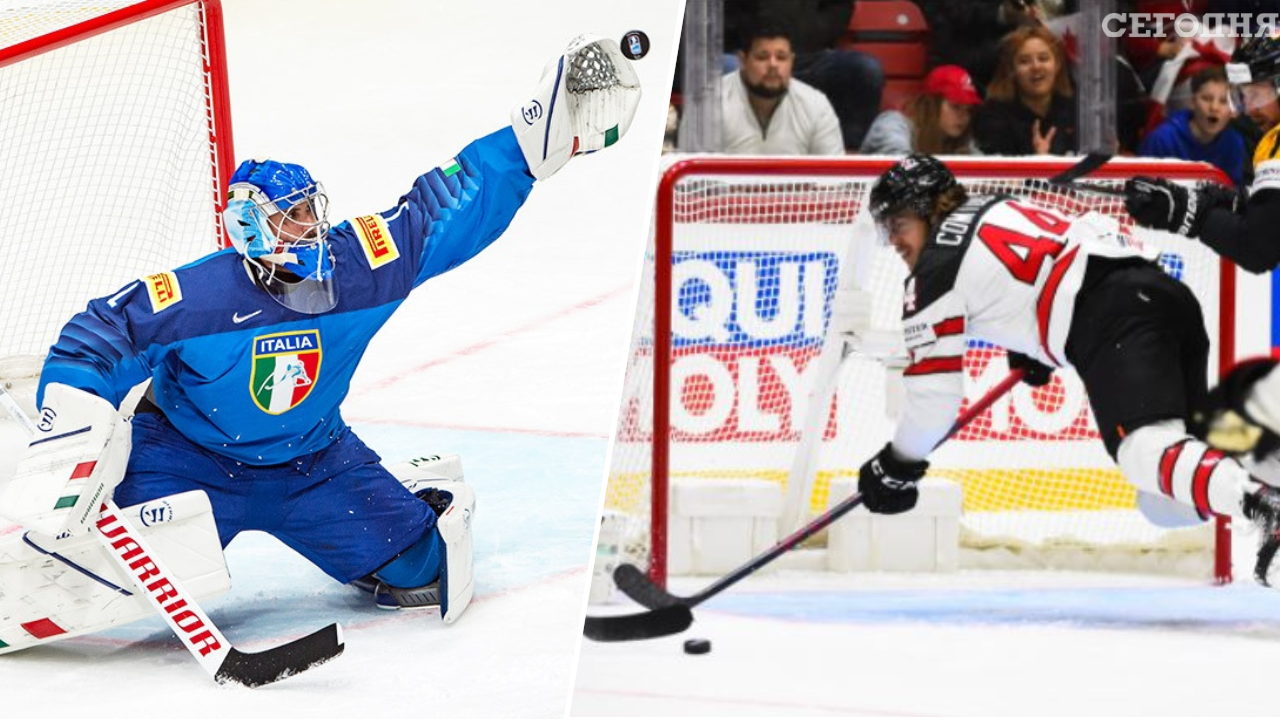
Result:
x=52 y=589
x=423 y=472
x=444 y=472
x=457 y=583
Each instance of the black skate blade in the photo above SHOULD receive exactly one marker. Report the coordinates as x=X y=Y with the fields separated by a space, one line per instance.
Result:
x=641 y=626
x=263 y=668
x=635 y=584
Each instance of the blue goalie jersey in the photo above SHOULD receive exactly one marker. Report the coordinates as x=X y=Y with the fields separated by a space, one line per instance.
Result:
x=246 y=377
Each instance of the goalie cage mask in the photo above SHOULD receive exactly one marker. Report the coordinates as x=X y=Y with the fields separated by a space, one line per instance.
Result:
x=277 y=218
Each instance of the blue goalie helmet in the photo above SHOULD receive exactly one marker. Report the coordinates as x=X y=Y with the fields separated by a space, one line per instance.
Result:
x=277 y=218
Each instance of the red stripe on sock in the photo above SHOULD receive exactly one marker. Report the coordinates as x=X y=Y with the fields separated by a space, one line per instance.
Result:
x=1167 y=461
x=1200 y=481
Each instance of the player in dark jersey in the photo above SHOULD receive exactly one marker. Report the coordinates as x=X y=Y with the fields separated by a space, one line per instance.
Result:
x=1241 y=225
x=1060 y=292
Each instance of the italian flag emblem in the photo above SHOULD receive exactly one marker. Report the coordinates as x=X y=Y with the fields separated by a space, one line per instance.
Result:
x=285 y=369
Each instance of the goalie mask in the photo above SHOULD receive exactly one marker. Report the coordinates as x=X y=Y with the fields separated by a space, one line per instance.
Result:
x=277 y=218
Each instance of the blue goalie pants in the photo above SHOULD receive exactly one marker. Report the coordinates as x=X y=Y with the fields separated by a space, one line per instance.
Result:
x=339 y=507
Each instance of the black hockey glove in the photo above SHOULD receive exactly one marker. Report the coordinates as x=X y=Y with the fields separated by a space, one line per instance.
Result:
x=888 y=485
x=1034 y=372
x=1163 y=205
x=1222 y=420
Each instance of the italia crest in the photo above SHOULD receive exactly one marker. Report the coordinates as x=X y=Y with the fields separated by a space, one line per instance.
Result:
x=285 y=369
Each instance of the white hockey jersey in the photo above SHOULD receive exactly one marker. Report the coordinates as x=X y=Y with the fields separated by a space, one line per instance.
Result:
x=998 y=269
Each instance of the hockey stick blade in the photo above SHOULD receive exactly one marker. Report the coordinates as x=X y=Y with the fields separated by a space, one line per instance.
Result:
x=633 y=583
x=640 y=626
x=263 y=668
x=667 y=608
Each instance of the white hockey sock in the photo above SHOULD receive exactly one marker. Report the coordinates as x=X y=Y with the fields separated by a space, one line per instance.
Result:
x=1163 y=459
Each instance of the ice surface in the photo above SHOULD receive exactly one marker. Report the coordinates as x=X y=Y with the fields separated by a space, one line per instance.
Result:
x=971 y=643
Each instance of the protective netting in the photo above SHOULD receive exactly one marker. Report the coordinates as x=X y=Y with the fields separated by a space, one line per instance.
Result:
x=108 y=156
x=755 y=257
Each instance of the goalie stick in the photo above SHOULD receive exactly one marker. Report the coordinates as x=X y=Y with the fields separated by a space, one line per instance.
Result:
x=670 y=614
x=185 y=617
x=827 y=366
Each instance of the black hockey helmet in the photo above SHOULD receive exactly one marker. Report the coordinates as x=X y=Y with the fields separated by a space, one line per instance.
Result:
x=1256 y=60
x=914 y=183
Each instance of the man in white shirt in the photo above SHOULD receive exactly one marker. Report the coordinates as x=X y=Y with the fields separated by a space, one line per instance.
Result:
x=767 y=112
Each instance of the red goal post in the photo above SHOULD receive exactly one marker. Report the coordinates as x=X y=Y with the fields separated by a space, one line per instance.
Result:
x=743 y=222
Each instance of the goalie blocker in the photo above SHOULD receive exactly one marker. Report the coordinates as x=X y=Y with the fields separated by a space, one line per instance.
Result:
x=73 y=463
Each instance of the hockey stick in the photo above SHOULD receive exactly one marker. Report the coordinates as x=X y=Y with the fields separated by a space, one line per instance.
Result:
x=185 y=617
x=1088 y=164
x=826 y=368
x=1070 y=177
x=671 y=614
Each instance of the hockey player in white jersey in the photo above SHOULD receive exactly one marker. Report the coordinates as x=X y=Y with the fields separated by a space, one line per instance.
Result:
x=1056 y=292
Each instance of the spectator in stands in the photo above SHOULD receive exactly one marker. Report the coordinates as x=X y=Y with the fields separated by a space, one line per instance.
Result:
x=1030 y=107
x=968 y=33
x=1149 y=51
x=767 y=112
x=1203 y=132
x=935 y=122
x=852 y=81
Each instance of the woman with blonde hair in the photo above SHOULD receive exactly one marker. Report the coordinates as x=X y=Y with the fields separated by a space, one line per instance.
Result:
x=1030 y=107
x=935 y=122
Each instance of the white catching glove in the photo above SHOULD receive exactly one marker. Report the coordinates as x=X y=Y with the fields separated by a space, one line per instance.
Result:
x=585 y=102
x=77 y=457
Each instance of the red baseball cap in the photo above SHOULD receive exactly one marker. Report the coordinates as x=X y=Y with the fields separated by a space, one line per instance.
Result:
x=953 y=83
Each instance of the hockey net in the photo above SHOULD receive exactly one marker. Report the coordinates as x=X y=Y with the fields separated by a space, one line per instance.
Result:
x=116 y=142
x=734 y=303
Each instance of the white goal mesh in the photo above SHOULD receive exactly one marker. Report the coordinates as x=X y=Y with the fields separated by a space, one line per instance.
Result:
x=746 y=257
x=113 y=127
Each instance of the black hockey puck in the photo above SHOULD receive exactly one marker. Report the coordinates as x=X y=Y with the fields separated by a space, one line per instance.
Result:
x=635 y=44
x=697 y=646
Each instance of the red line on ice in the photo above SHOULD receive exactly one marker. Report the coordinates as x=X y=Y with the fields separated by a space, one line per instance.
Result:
x=485 y=344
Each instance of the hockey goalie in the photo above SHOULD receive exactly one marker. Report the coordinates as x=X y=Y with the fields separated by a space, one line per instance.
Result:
x=247 y=355
x=1058 y=292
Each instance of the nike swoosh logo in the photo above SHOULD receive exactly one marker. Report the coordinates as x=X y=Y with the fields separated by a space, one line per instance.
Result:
x=237 y=319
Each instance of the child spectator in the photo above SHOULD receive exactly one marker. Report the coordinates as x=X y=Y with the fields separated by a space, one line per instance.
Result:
x=935 y=122
x=1030 y=107
x=1203 y=132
